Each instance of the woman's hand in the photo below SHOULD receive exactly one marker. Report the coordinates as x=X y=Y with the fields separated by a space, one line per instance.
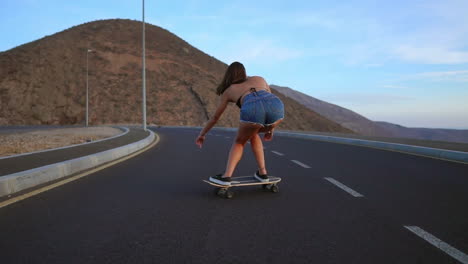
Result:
x=199 y=141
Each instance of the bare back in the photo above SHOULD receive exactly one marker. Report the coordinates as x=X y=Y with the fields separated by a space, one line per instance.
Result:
x=235 y=91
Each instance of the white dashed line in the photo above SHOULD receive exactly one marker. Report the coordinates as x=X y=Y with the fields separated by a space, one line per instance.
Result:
x=344 y=187
x=451 y=251
x=277 y=153
x=301 y=164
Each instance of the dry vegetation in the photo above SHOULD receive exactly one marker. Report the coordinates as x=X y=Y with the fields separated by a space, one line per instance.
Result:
x=18 y=143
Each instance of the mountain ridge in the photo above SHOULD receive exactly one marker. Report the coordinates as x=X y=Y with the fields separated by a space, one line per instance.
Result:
x=363 y=126
x=341 y=115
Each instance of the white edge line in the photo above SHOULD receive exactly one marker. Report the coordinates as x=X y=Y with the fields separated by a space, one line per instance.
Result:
x=277 y=153
x=126 y=130
x=301 y=164
x=344 y=187
x=451 y=251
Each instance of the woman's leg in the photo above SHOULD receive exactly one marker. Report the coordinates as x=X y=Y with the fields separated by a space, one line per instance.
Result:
x=257 y=149
x=257 y=145
x=245 y=132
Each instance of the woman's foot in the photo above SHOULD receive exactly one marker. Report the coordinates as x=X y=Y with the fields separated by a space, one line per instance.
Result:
x=219 y=179
x=262 y=178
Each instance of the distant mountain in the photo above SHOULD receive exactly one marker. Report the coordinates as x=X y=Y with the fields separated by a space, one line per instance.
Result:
x=364 y=126
x=44 y=81
x=342 y=116
x=436 y=134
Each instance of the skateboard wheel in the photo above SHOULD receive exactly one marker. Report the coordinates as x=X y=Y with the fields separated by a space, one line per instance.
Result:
x=264 y=186
x=221 y=192
x=274 y=189
x=229 y=194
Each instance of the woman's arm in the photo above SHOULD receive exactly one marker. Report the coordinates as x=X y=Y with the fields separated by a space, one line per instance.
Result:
x=219 y=111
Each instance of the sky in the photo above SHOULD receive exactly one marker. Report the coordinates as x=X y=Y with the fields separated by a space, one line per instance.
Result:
x=404 y=62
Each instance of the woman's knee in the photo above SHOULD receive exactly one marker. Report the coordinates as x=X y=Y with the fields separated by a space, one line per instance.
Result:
x=246 y=132
x=254 y=137
x=241 y=140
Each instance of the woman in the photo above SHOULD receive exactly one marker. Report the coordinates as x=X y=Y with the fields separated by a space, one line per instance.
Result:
x=260 y=112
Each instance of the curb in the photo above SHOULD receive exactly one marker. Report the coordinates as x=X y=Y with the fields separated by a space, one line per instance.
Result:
x=13 y=183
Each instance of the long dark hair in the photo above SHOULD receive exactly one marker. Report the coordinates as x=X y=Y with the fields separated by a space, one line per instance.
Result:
x=235 y=73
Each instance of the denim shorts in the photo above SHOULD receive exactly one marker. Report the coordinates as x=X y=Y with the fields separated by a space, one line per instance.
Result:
x=261 y=108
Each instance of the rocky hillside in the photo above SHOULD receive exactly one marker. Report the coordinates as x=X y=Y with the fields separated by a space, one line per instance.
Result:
x=44 y=82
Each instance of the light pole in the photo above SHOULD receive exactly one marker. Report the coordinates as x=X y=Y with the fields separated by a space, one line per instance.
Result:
x=87 y=86
x=144 y=71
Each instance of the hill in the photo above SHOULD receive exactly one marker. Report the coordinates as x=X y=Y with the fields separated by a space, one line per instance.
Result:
x=44 y=82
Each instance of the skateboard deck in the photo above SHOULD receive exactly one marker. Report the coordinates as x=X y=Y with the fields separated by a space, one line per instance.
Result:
x=223 y=190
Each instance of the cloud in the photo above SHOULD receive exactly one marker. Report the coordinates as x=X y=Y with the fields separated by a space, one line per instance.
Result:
x=274 y=16
x=453 y=76
x=395 y=86
x=438 y=37
x=374 y=65
x=430 y=32
x=362 y=99
x=307 y=19
x=431 y=54
x=257 y=50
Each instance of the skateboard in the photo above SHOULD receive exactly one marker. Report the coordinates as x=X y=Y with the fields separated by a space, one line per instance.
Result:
x=223 y=190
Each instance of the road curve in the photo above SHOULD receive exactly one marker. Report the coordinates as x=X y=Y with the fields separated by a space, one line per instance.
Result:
x=337 y=204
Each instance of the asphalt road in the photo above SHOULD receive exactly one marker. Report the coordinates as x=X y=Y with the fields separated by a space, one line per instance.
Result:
x=154 y=208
